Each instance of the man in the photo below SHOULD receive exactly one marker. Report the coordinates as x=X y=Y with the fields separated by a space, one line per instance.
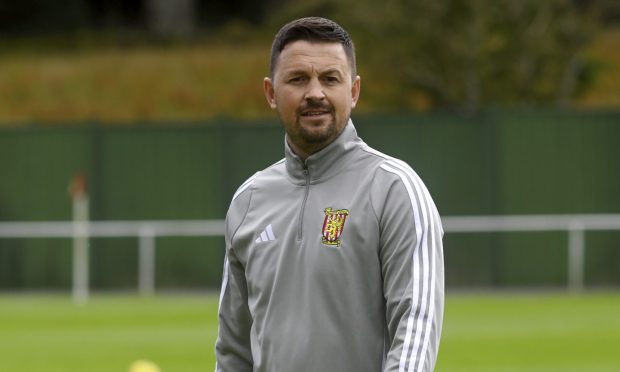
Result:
x=334 y=258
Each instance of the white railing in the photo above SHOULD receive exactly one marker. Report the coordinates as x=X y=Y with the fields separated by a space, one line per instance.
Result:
x=145 y=231
x=148 y=231
x=575 y=225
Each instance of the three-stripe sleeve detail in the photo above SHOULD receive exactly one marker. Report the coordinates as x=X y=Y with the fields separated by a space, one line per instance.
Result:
x=222 y=291
x=417 y=336
x=250 y=181
x=225 y=275
x=239 y=191
x=224 y=282
x=244 y=186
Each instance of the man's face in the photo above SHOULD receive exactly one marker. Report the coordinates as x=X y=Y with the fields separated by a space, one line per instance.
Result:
x=314 y=92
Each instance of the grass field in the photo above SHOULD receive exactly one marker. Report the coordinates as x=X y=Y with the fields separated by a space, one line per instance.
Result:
x=498 y=332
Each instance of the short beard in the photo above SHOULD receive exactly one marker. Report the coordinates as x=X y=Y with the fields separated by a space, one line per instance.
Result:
x=313 y=137
x=316 y=137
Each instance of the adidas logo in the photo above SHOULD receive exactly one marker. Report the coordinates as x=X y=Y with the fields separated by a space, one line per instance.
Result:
x=266 y=235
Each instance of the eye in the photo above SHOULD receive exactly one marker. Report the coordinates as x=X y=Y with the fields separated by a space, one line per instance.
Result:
x=296 y=79
x=331 y=79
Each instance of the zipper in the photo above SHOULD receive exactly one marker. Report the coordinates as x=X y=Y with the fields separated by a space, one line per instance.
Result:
x=303 y=204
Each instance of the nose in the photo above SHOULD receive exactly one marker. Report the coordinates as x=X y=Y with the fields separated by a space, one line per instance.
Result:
x=315 y=90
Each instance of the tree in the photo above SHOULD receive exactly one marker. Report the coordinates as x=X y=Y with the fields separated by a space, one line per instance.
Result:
x=466 y=54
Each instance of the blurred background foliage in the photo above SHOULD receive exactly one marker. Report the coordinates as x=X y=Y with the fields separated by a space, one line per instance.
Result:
x=157 y=60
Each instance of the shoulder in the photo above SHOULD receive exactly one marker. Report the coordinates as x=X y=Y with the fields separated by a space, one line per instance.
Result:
x=248 y=185
x=242 y=198
x=390 y=168
x=395 y=179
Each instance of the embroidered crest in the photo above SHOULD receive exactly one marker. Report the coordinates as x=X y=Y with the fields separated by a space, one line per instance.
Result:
x=333 y=226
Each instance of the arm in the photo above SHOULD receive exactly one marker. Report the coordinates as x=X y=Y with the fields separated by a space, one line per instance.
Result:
x=233 y=349
x=412 y=265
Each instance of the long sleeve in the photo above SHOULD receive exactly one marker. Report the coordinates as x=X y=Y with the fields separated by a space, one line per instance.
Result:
x=233 y=346
x=412 y=266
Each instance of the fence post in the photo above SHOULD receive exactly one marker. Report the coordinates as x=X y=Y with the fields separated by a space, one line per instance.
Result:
x=80 y=277
x=576 y=254
x=146 y=261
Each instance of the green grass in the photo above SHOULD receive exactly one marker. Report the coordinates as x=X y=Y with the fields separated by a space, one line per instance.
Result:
x=542 y=332
x=488 y=332
x=106 y=334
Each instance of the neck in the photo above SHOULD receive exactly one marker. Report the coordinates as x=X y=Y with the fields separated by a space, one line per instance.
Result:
x=305 y=151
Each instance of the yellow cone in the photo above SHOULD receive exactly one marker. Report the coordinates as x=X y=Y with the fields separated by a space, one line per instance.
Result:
x=144 y=366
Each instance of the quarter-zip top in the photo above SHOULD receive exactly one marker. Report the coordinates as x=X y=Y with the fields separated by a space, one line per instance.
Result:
x=300 y=235
x=323 y=164
x=329 y=261
x=319 y=166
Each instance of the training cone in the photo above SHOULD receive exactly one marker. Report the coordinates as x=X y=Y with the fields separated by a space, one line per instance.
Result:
x=144 y=366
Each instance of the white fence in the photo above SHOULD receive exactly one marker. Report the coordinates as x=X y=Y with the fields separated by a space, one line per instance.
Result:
x=148 y=231
x=145 y=231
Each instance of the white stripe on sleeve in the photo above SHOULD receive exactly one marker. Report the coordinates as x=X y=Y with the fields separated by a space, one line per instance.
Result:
x=224 y=282
x=423 y=216
x=244 y=186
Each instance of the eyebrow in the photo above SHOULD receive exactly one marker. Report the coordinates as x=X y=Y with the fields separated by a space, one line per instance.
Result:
x=299 y=71
x=332 y=71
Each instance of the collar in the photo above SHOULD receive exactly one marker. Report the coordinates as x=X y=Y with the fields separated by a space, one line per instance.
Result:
x=324 y=163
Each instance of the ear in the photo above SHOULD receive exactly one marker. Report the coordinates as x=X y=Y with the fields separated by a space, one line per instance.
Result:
x=269 y=92
x=355 y=91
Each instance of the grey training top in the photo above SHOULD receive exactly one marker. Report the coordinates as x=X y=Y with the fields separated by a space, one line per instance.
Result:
x=332 y=265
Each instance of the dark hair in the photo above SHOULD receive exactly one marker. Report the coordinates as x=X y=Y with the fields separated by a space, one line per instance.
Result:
x=312 y=29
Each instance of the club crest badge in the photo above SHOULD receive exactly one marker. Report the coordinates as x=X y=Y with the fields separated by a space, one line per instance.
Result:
x=333 y=224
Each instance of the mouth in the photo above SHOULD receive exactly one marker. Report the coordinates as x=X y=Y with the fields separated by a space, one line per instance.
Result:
x=314 y=113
